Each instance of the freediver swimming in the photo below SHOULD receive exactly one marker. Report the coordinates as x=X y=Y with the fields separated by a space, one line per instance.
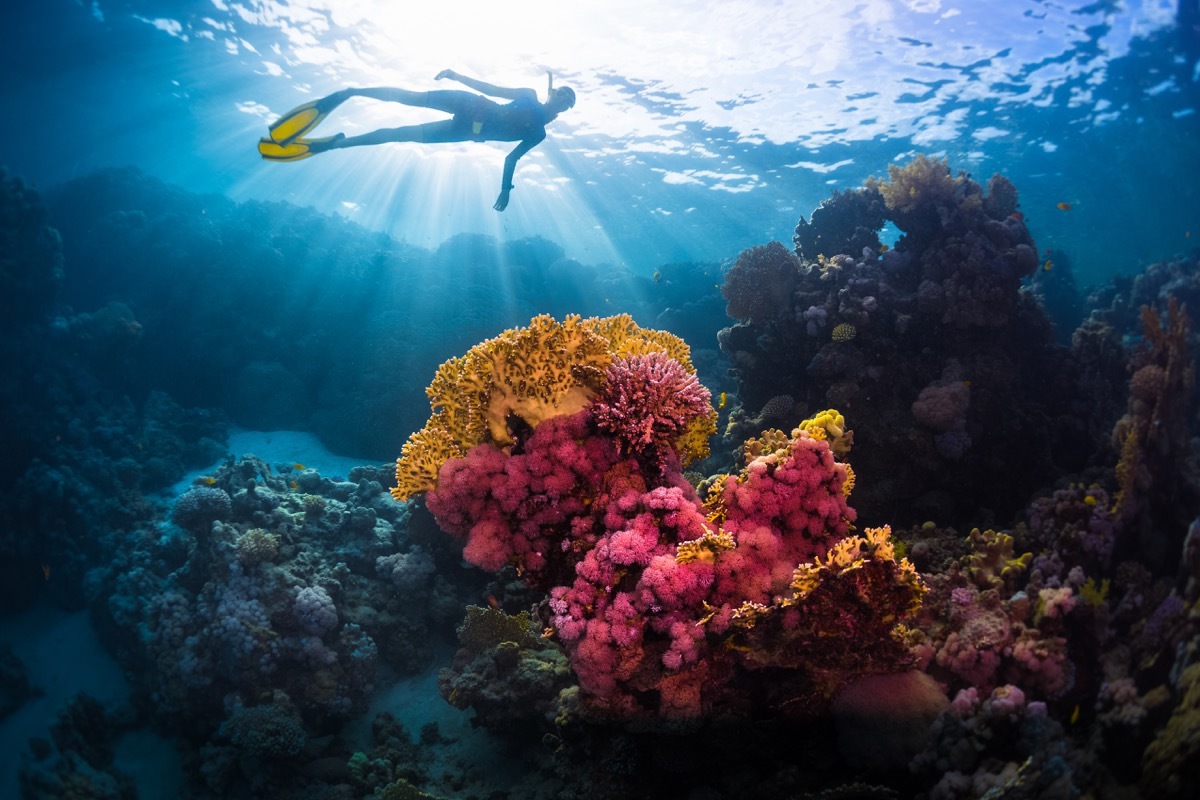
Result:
x=474 y=118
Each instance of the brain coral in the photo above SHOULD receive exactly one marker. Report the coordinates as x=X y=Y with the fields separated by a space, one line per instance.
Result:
x=517 y=380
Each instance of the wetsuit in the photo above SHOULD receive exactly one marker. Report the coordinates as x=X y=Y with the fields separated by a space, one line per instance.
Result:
x=477 y=118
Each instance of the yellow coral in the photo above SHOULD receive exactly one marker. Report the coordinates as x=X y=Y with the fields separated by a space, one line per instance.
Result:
x=772 y=440
x=544 y=370
x=923 y=181
x=844 y=332
x=705 y=548
x=626 y=338
x=714 y=505
x=692 y=444
x=1092 y=593
x=748 y=614
x=831 y=426
x=851 y=553
x=848 y=484
x=993 y=564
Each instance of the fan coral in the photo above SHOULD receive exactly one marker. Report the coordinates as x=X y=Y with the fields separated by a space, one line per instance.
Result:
x=759 y=286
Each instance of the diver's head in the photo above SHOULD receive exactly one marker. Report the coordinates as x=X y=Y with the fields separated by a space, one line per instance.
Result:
x=560 y=99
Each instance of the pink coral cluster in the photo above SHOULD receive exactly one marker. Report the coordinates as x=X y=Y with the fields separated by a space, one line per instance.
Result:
x=785 y=509
x=511 y=508
x=653 y=594
x=983 y=640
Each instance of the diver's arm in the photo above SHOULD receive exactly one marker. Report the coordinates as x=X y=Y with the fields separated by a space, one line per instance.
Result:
x=485 y=88
x=510 y=166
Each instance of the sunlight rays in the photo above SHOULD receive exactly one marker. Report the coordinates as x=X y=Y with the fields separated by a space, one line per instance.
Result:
x=676 y=100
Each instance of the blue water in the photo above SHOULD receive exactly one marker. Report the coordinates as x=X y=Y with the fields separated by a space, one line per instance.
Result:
x=179 y=314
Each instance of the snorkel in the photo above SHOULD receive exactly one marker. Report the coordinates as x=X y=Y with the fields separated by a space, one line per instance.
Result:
x=565 y=92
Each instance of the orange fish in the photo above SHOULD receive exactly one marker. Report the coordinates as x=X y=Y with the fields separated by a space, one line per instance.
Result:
x=46 y=571
x=1064 y=206
x=298 y=467
x=1048 y=265
x=493 y=602
x=1018 y=216
x=723 y=400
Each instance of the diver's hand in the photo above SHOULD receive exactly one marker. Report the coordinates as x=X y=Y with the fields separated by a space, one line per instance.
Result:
x=502 y=200
x=446 y=73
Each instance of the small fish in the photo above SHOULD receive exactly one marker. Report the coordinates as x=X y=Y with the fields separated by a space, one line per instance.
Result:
x=1046 y=267
x=1187 y=234
x=722 y=400
x=1018 y=216
x=493 y=602
x=883 y=248
x=967 y=384
x=295 y=486
x=46 y=571
x=1064 y=206
x=1075 y=714
x=299 y=467
x=657 y=276
x=208 y=480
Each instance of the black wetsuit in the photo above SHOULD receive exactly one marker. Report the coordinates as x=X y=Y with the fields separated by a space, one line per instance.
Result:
x=478 y=119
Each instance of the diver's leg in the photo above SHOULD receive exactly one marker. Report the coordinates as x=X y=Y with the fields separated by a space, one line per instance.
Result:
x=452 y=101
x=430 y=132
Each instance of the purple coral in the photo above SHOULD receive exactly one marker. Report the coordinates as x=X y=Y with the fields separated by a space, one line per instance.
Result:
x=315 y=611
x=408 y=572
x=647 y=402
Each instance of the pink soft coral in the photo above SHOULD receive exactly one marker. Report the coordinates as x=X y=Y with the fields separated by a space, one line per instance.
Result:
x=785 y=509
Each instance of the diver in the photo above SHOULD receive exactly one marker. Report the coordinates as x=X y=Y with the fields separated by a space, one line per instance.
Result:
x=475 y=118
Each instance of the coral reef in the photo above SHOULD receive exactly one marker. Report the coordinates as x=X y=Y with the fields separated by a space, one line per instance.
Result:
x=932 y=345
x=636 y=624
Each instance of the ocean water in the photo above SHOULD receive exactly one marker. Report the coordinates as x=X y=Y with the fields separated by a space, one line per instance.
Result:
x=212 y=362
